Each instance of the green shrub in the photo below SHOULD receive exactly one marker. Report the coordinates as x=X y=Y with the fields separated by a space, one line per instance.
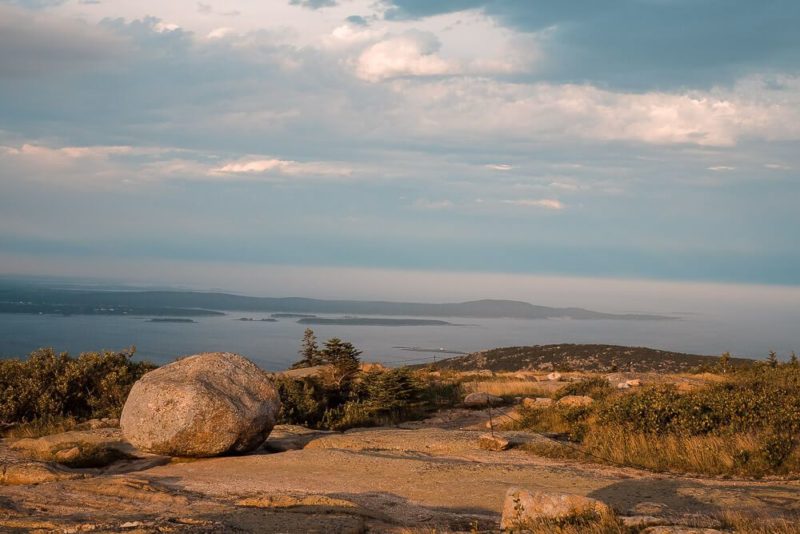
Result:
x=761 y=399
x=595 y=387
x=368 y=399
x=304 y=401
x=50 y=386
x=748 y=425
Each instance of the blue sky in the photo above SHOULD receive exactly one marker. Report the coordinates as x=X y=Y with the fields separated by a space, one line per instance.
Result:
x=634 y=139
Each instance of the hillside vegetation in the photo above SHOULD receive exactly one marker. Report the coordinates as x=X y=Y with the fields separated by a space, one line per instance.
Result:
x=49 y=388
x=745 y=423
x=581 y=357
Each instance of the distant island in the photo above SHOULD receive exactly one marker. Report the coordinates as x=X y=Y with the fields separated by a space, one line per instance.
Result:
x=32 y=298
x=582 y=357
x=251 y=320
x=292 y=315
x=170 y=320
x=362 y=321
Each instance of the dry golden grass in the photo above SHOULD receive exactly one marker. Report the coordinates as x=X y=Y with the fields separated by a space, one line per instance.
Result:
x=507 y=388
x=751 y=524
x=605 y=523
x=41 y=427
x=710 y=455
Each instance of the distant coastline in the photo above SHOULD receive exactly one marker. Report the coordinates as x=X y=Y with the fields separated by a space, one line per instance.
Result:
x=38 y=299
x=362 y=321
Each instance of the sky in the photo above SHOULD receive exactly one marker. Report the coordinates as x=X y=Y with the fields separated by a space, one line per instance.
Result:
x=654 y=140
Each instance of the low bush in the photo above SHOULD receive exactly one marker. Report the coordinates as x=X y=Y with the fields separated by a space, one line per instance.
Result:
x=748 y=424
x=596 y=387
x=369 y=399
x=761 y=399
x=54 y=387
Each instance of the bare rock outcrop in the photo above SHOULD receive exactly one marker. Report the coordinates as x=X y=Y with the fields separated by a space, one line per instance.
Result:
x=203 y=405
x=482 y=399
x=493 y=442
x=24 y=473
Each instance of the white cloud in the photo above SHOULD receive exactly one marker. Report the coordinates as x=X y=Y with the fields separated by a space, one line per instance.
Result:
x=474 y=106
x=274 y=166
x=721 y=168
x=417 y=54
x=544 y=203
x=411 y=54
x=221 y=32
x=165 y=27
x=499 y=167
x=348 y=35
x=776 y=167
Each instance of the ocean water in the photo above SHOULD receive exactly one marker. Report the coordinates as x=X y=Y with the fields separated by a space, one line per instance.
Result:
x=745 y=331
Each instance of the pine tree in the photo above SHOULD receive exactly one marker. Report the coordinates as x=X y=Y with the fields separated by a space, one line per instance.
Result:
x=772 y=359
x=343 y=356
x=309 y=351
x=725 y=361
x=793 y=360
x=391 y=390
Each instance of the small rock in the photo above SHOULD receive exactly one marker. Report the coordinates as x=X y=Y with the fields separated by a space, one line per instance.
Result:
x=634 y=383
x=538 y=402
x=18 y=474
x=522 y=506
x=623 y=385
x=77 y=448
x=482 y=399
x=554 y=376
x=493 y=442
x=66 y=456
x=132 y=524
x=575 y=400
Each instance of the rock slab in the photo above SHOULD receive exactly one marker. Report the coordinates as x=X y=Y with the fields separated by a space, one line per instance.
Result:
x=482 y=399
x=523 y=507
x=203 y=405
x=493 y=442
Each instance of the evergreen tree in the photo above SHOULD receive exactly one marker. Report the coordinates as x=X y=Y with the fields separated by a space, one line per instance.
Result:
x=391 y=390
x=343 y=356
x=309 y=351
x=725 y=361
x=793 y=360
x=772 y=359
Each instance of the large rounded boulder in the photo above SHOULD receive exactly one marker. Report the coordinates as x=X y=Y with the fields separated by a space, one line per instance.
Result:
x=203 y=405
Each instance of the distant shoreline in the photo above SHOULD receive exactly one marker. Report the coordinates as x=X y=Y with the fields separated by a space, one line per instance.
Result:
x=361 y=321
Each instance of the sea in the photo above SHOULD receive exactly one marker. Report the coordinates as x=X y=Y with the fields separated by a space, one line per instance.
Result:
x=743 y=330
